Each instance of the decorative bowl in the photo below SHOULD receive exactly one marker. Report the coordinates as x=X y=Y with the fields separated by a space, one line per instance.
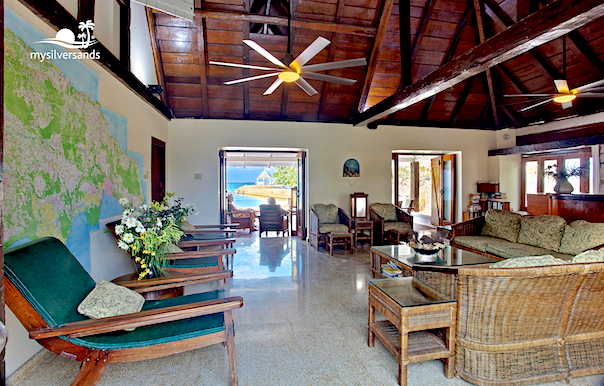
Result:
x=422 y=251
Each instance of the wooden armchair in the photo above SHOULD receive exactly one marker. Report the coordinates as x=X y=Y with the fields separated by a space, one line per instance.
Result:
x=44 y=285
x=325 y=219
x=273 y=218
x=389 y=220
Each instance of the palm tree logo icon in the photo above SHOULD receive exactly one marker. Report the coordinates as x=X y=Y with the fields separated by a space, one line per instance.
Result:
x=66 y=38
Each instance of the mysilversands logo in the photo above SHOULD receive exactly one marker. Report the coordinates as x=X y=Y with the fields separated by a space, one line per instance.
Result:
x=67 y=39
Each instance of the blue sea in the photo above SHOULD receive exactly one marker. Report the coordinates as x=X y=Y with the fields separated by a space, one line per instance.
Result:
x=244 y=201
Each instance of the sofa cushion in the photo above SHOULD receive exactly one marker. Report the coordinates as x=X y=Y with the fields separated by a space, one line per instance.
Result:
x=386 y=211
x=507 y=249
x=388 y=226
x=528 y=261
x=478 y=243
x=580 y=236
x=502 y=224
x=327 y=214
x=543 y=231
x=591 y=256
x=333 y=228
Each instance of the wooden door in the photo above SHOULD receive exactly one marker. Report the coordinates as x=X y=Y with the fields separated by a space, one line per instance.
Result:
x=158 y=169
x=435 y=213
x=301 y=201
x=223 y=186
x=443 y=190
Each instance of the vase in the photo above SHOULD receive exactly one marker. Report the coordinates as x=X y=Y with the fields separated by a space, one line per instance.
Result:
x=150 y=275
x=563 y=186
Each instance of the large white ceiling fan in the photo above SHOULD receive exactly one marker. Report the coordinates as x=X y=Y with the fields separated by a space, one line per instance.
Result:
x=296 y=71
x=565 y=95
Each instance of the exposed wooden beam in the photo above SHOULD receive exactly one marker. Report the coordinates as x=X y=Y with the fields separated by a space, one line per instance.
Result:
x=426 y=109
x=53 y=14
x=511 y=115
x=481 y=36
x=404 y=16
x=85 y=10
x=543 y=26
x=537 y=147
x=246 y=60
x=588 y=56
x=125 y=34
x=198 y=21
x=460 y=102
x=421 y=31
x=295 y=23
x=159 y=67
x=375 y=50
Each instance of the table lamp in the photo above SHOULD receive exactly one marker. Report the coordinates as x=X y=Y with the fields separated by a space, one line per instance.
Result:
x=358 y=206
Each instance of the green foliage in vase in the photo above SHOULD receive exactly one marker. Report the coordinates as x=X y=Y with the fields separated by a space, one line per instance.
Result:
x=285 y=175
x=564 y=173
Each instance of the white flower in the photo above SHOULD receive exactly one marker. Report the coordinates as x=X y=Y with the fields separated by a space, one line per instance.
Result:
x=159 y=223
x=124 y=201
x=119 y=230
x=130 y=222
x=144 y=207
x=128 y=238
x=140 y=229
x=122 y=245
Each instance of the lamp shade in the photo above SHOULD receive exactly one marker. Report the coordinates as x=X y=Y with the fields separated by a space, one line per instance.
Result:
x=358 y=205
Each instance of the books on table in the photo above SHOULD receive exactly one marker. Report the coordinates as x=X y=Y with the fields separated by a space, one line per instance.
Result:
x=391 y=270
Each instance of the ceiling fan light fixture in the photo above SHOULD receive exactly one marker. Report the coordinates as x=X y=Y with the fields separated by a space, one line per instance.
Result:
x=289 y=76
x=565 y=98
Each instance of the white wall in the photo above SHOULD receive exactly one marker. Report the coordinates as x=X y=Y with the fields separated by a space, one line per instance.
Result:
x=193 y=148
x=107 y=25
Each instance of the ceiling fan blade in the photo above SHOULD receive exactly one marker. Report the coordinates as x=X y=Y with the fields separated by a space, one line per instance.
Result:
x=273 y=86
x=230 y=82
x=242 y=66
x=329 y=78
x=562 y=86
x=591 y=85
x=313 y=49
x=530 y=95
x=334 y=65
x=536 y=104
x=304 y=85
x=267 y=55
x=590 y=95
x=596 y=89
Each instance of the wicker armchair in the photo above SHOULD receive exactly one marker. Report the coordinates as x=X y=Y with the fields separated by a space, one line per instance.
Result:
x=325 y=219
x=388 y=218
x=520 y=326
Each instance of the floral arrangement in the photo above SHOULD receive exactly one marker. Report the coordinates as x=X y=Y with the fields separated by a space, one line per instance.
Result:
x=149 y=231
x=563 y=174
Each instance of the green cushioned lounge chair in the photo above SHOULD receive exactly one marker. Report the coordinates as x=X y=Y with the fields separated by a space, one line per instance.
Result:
x=45 y=284
x=325 y=219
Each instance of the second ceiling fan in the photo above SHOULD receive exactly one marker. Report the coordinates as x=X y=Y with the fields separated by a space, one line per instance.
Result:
x=296 y=70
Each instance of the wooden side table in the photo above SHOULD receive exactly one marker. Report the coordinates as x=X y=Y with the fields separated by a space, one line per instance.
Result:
x=339 y=239
x=363 y=230
x=420 y=323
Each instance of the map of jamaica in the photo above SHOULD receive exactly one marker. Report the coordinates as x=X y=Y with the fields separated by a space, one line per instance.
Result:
x=60 y=160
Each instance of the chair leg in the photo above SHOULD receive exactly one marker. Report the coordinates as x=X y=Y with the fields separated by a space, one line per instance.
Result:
x=92 y=368
x=230 y=343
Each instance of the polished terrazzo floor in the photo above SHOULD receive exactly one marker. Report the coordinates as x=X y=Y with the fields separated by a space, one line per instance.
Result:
x=304 y=322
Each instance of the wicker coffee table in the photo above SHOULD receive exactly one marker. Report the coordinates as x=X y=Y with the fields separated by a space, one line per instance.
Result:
x=419 y=325
x=339 y=239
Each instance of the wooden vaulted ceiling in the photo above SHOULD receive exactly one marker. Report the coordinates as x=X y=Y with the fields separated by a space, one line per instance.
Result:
x=404 y=41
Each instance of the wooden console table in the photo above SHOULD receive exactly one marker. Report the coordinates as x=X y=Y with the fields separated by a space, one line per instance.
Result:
x=571 y=207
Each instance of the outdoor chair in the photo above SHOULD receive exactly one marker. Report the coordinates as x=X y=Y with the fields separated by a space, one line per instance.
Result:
x=45 y=284
x=273 y=218
x=325 y=219
x=389 y=220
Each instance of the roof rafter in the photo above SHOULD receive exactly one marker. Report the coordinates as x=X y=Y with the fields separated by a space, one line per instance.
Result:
x=198 y=21
x=545 y=25
x=481 y=36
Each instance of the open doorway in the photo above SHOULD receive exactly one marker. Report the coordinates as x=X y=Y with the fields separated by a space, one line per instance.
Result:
x=425 y=185
x=251 y=175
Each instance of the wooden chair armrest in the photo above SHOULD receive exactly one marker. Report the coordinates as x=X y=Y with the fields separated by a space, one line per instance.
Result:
x=205 y=243
x=196 y=254
x=167 y=282
x=344 y=219
x=213 y=226
x=376 y=218
x=139 y=319
x=203 y=231
x=404 y=216
x=471 y=227
x=314 y=222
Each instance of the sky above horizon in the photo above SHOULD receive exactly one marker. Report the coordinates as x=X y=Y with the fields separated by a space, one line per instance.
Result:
x=248 y=174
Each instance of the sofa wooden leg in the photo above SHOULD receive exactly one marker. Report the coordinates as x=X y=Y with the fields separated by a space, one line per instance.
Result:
x=92 y=368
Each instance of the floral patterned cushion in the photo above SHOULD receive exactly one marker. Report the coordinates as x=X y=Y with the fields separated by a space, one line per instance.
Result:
x=386 y=211
x=327 y=214
x=108 y=299
x=507 y=249
x=543 y=231
x=388 y=226
x=333 y=228
x=503 y=224
x=528 y=261
x=580 y=236
x=478 y=243
x=591 y=256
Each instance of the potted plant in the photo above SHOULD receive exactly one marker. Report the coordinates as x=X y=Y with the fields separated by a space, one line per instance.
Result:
x=561 y=176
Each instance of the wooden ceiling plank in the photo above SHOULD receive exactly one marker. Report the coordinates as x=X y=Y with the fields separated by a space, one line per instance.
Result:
x=460 y=102
x=375 y=50
x=421 y=31
x=519 y=87
x=246 y=60
x=159 y=67
x=580 y=47
x=481 y=35
x=525 y=8
x=511 y=116
x=332 y=56
x=198 y=20
x=543 y=26
x=295 y=23
x=404 y=15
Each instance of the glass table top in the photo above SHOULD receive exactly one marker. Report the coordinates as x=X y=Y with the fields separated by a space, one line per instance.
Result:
x=447 y=257
x=406 y=292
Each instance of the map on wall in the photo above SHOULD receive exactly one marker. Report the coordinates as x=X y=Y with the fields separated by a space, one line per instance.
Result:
x=66 y=159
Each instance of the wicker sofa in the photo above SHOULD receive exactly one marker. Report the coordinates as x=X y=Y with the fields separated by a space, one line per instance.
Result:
x=503 y=234
x=520 y=326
